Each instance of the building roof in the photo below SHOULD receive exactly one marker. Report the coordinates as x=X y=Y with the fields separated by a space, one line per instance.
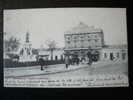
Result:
x=116 y=46
x=82 y=48
x=83 y=28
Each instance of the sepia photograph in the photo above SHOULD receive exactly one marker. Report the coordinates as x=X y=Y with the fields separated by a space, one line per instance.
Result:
x=65 y=47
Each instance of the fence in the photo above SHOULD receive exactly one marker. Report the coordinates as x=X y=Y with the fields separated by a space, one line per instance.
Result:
x=10 y=64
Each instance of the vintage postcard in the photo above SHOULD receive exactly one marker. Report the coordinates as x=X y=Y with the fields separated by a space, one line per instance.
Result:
x=65 y=47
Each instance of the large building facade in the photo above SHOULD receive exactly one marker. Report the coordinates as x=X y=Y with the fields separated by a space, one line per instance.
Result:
x=82 y=38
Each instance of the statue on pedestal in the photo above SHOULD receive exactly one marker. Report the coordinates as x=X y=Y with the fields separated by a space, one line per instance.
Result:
x=26 y=51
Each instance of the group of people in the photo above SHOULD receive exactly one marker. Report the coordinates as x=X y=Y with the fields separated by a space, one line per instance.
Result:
x=72 y=60
x=69 y=60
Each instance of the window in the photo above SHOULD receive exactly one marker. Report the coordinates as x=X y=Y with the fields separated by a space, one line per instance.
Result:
x=123 y=56
x=56 y=57
x=81 y=37
x=89 y=40
x=68 y=38
x=81 y=46
x=118 y=54
x=68 y=42
x=95 y=36
x=82 y=40
x=75 y=38
x=96 y=40
x=111 y=56
x=61 y=57
x=75 y=41
x=105 y=55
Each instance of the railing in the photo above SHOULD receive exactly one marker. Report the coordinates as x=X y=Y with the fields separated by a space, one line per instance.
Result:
x=12 y=64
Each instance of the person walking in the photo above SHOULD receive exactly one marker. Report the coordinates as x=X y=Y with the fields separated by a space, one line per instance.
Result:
x=67 y=61
x=70 y=60
x=77 y=60
x=90 y=58
x=41 y=62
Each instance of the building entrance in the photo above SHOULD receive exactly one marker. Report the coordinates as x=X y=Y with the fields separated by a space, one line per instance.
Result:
x=111 y=56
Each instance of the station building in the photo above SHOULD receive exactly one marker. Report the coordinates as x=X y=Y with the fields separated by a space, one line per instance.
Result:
x=114 y=53
x=82 y=39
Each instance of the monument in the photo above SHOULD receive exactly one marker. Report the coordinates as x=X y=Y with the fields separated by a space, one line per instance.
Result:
x=26 y=51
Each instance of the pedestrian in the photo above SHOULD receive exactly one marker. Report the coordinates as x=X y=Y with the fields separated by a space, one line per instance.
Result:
x=41 y=62
x=72 y=60
x=82 y=60
x=77 y=60
x=67 y=61
x=90 y=58
x=46 y=62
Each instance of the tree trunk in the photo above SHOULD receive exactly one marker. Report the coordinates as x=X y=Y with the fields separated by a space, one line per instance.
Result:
x=51 y=54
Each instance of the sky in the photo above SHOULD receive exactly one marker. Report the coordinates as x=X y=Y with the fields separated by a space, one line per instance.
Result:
x=51 y=23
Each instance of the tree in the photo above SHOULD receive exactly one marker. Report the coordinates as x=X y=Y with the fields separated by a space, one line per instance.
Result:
x=35 y=52
x=11 y=44
x=51 y=46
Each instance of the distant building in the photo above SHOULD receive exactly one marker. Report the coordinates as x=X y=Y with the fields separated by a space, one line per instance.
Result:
x=115 y=53
x=58 y=53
